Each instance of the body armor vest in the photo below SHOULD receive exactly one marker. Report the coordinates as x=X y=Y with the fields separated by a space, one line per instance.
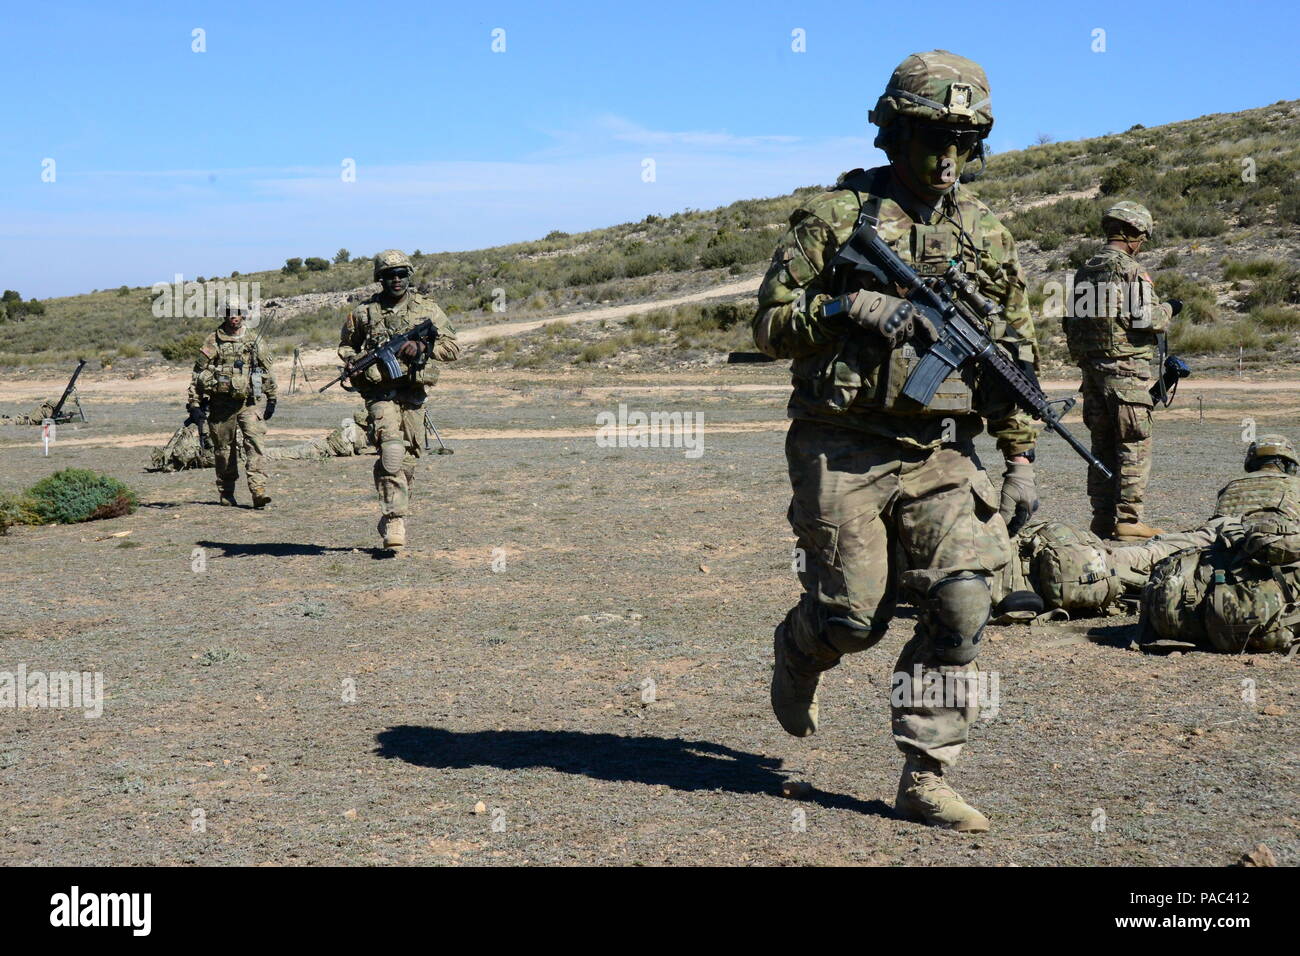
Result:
x=865 y=374
x=1242 y=496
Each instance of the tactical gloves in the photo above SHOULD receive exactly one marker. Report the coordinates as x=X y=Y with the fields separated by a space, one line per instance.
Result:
x=270 y=409
x=893 y=319
x=1175 y=306
x=1019 y=495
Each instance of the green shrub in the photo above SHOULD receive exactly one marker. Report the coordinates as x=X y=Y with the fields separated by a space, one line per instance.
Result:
x=75 y=494
x=1215 y=337
x=183 y=349
x=1118 y=178
x=1193 y=224
x=1276 y=317
x=1251 y=269
x=1283 y=286
x=1082 y=252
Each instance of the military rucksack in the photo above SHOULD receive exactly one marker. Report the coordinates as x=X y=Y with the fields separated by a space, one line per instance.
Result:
x=182 y=451
x=1252 y=608
x=1171 y=601
x=1220 y=599
x=1068 y=568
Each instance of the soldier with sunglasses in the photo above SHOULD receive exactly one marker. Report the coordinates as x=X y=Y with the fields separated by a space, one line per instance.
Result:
x=889 y=499
x=396 y=406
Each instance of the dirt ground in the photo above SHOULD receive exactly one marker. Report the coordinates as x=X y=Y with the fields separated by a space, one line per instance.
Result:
x=507 y=715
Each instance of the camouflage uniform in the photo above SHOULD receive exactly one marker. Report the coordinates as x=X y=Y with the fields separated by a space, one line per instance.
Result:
x=882 y=485
x=1112 y=334
x=183 y=451
x=224 y=377
x=36 y=417
x=1239 y=591
x=396 y=407
x=350 y=438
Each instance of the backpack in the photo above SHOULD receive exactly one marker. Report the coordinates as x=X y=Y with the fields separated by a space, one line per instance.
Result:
x=1069 y=568
x=1171 y=601
x=1251 y=607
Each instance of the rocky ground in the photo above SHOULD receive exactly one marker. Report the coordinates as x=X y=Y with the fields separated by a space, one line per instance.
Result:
x=570 y=664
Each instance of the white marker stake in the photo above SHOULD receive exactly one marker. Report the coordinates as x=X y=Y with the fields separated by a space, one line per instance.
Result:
x=47 y=434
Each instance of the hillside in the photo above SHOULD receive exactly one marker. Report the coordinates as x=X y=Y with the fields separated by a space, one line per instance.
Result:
x=1223 y=188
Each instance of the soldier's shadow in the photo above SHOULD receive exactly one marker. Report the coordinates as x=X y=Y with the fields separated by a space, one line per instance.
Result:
x=274 y=549
x=655 y=761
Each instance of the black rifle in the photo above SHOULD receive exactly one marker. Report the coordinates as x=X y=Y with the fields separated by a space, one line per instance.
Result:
x=386 y=354
x=963 y=317
x=72 y=387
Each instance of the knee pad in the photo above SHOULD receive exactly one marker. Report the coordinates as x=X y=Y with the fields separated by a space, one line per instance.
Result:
x=391 y=456
x=850 y=635
x=957 y=609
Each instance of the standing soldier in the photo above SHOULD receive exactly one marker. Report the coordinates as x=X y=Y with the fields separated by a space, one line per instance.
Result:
x=396 y=406
x=230 y=378
x=1115 y=325
x=877 y=478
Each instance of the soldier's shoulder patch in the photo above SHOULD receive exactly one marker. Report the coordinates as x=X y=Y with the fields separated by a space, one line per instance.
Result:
x=209 y=349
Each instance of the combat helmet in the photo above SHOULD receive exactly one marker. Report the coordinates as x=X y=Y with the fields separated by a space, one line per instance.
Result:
x=391 y=259
x=938 y=87
x=1271 y=446
x=1131 y=214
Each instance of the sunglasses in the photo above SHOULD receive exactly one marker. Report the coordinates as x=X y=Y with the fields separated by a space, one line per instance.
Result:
x=939 y=138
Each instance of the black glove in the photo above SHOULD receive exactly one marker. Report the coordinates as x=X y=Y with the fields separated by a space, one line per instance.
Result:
x=1175 y=305
x=198 y=415
x=270 y=410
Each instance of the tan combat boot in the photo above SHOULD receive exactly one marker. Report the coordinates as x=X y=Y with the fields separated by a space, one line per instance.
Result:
x=228 y=497
x=924 y=796
x=794 y=690
x=261 y=499
x=1134 y=531
x=393 y=530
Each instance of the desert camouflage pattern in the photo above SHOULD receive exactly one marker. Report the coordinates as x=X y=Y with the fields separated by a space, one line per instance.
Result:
x=1241 y=592
x=1075 y=571
x=182 y=451
x=1271 y=446
x=395 y=408
x=1112 y=333
x=348 y=439
x=1132 y=213
x=850 y=380
x=937 y=87
x=223 y=376
x=391 y=259
x=35 y=417
x=1255 y=492
x=873 y=474
x=225 y=366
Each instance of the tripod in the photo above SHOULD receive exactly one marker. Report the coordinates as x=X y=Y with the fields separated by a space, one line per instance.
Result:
x=298 y=369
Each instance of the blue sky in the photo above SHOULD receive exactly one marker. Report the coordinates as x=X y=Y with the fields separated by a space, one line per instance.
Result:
x=168 y=160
